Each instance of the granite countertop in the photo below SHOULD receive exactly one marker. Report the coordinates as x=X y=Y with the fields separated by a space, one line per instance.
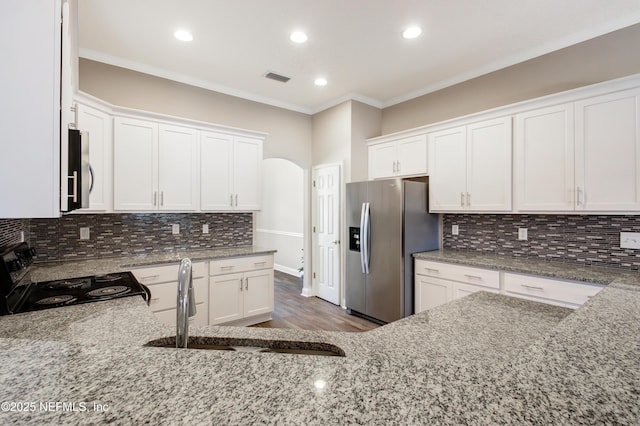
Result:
x=58 y=270
x=482 y=359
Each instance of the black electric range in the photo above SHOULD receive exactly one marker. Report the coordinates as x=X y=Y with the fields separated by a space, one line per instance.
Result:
x=20 y=297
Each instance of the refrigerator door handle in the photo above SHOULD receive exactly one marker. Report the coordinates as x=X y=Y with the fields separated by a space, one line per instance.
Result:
x=362 y=237
x=367 y=239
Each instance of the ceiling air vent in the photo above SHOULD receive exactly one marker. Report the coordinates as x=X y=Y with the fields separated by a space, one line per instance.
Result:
x=277 y=77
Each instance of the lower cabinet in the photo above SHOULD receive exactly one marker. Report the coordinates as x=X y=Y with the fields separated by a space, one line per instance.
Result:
x=163 y=284
x=237 y=291
x=439 y=283
x=241 y=290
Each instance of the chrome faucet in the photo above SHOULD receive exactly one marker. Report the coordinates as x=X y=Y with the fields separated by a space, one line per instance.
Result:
x=186 y=303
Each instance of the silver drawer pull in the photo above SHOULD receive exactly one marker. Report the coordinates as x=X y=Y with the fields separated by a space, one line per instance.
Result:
x=533 y=287
x=155 y=299
x=432 y=270
x=150 y=277
x=227 y=267
x=259 y=263
x=473 y=277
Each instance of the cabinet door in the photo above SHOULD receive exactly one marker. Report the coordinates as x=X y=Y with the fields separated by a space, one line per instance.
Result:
x=544 y=154
x=135 y=163
x=608 y=152
x=447 y=167
x=382 y=160
x=177 y=168
x=412 y=156
x=98 y=125
x=431 y=292
x=216 y=171
x=258 y=294
x=225 y=298
x=247 y=173
x=489 y=165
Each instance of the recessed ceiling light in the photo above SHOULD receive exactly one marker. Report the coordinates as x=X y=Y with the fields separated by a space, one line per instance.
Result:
x=183 y=35
x=411 y=32
x=298 y=37
x=320 y=82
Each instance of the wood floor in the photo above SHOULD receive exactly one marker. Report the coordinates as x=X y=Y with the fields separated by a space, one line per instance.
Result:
x=308 y=313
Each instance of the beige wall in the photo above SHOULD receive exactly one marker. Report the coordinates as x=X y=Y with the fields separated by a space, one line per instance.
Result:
x=289 y=132
x=365 y=123
x=604 y=58
x=331 y=137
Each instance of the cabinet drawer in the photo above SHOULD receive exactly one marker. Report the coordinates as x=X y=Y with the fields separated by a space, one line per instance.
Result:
x=167 y=273
x=164 y=295
x=565 y=293
x=169 y=316
x=240 y=264
x=464 y=274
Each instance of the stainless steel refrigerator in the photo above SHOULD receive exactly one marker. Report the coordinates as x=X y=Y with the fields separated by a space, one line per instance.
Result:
x=387 y=221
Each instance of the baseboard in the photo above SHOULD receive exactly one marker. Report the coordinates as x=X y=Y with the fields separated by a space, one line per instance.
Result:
x=306 y=292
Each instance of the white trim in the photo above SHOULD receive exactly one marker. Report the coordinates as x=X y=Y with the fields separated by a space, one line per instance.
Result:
x=283 y=233
x=349 y=97
x=287 y=270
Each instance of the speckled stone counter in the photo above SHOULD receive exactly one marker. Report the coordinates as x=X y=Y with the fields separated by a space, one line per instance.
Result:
x=79 y=268
x=565 y=271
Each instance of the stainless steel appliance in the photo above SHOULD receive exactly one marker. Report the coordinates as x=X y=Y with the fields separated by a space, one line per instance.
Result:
x=19 y=295
x=388 y=221
x=80 y=174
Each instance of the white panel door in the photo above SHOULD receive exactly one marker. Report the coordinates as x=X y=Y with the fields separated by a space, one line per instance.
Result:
x=544 y=159
x=216 y=171
x=135 y=164
x=489 y=165
x=98 y=125
x=258 y=292
x=247 y=172
x=178 y=172
x=447 y=168
x=382 y=160
x=608 y=152
x=225 y=298
x=412 y=156
x=326 y=223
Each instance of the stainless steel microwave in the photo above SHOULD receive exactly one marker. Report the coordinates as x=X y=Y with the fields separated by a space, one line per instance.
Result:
x=80 y=175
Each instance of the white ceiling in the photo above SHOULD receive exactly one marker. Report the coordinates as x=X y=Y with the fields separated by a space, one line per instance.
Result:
x=355 y=44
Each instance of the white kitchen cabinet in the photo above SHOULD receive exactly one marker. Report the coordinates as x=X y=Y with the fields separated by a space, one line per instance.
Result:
x=37 y=79
x=99 y=126
x=607 y=156
x=437 y=283
x=163 y=284
x=571 y=294
x=241 y=290
x=155 y=166
x=470 y=167
x=230 y=172
x=400 y=157
x=544 y=159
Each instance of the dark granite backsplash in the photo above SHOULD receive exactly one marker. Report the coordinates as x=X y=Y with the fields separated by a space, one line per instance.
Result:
x=11 y=231
x=135 y=234
x=586 y=240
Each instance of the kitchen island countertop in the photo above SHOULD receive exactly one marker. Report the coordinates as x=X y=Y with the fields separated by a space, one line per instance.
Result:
x=482 y=359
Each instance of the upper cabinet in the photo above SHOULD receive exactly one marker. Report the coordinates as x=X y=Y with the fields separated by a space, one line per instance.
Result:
x=99 y=126
x=155 y=166
x=398 y=157
x=36 y=76
x=580 y=157
x=470 y=167
x=231 y=170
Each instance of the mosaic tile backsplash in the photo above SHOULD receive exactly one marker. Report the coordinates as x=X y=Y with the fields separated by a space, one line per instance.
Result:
x=586 y=240
x=11 y=229
x=134 y=234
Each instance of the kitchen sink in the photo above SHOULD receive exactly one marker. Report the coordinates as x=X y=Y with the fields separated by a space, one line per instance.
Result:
x=251 y=345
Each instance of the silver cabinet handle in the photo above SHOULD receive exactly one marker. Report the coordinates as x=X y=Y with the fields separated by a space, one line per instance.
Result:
x=240 y=284
x=473 y=277
x=226 y=267
x=461 y=199
x=394 y=167
x=259 y=263
x=155 y=198
x=432 y=270
x=468 y=200
x=162 y=198
x=580 y=198
x=533 y=287
x=148 y=277
x=398 y=167
x=236 y=200
x=247 y=284
x=231 y=200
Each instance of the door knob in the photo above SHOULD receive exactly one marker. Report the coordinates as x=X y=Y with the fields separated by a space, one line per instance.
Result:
x=336 y=241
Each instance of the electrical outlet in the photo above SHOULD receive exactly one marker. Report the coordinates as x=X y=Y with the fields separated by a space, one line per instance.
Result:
x=22 y=237
x=455 y=230
x=84 y=233
x=175 y=229
x=630 y=240
x=205 y=228
x=522 y=234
